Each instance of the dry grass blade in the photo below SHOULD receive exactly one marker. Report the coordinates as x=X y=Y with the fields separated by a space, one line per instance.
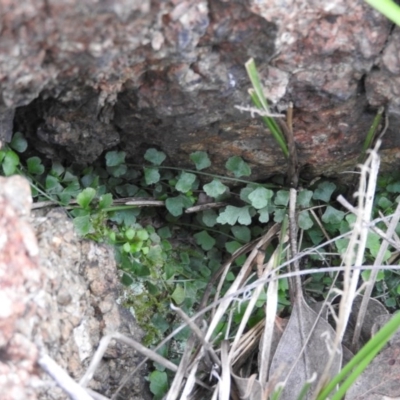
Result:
x=270 y=308
x=181 y=373
x=248 y=343
x=250 y=307
x=355 y=251
x=224 y=384
x=130 y=342
x=356 y=248
x=306 y=343
x=228 y=298
x=197 y=331
x=371 y=281
x=74 y=391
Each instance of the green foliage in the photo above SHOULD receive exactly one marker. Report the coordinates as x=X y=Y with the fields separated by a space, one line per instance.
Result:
x=259 y=100
x=201 y=160
x=239 y=168
x=162 y=265
x=158 y=384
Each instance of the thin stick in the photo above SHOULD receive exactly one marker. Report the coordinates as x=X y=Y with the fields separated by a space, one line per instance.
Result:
x=66 y=383
x=197 y=331
x=372 y=278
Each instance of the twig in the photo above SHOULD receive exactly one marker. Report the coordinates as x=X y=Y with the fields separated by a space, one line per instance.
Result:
x=66 y=383
x=152 y=355
x=197 y=331
x=262 y=113
x=371 y=281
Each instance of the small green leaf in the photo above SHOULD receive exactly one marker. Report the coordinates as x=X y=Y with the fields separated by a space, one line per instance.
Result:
x=83 y=225
x=151 y=175
x=57 y=169
x=164 y=232
x=394 y=187
x=19 y=143
x=142 y=234
x=390 y=302
x=384 y=203
x=282 y=198
x=209 y=218
x=35 y=165
x=154 y=156
x=178 y=295
x=160 y=323
x=260 y=196
x=105 y=200
x=232 y=246
x=126 y=247
x=53 y=185
x=215 y=188
x=185 y=182
x=279 y=214
x=264 y=215
x=130 y=234
x=241 y=233
x=305 y=221
x=304 y=198
x=136 y=247
x=239 y=168
x=245 y=192
x=115 y=158
x=201 y=160
x=72 y=189
x=117 y=171
x=126 y=217
x=332 y=215
x=233 y=214
x=127 y=190
x=158 y=383
x=324 y=191
x=315 y=235
x=175 y=205
x=204 y=240
x=10 y=162
x=85 y=197
x=367 y=273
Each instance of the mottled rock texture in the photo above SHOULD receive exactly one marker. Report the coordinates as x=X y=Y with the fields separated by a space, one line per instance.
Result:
x=83 y=76
x=58 y=294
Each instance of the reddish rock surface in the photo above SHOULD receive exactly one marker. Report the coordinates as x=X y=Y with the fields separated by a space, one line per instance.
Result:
x=84 y=76
x=58 y=295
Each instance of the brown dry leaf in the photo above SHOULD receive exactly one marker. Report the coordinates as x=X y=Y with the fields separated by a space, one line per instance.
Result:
x=248 y=388
x=279 y=328
x=374 y=309
x=380 y=322
x=381 y=379
x=315 y=355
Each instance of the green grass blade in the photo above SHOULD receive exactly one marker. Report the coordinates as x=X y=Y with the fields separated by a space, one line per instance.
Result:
x=304 y=390
x=259 y=100
x=255 y=81
x=388 y=8
x=372 y=131
x=271 y=124
x=361 y=360
x=269 y=121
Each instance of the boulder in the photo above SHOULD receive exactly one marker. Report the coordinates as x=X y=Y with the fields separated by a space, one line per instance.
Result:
x=81 y=77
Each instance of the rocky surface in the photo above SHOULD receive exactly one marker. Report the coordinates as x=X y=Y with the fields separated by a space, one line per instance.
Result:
x=85 y=76
x=58 y=295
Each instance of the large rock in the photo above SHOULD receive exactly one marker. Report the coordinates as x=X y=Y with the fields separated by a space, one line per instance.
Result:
x=84 y=76
x=58 y=295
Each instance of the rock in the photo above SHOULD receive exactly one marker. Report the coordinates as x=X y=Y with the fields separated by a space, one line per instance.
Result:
x=83 y=77
x=20 y=284
x=58 y=295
